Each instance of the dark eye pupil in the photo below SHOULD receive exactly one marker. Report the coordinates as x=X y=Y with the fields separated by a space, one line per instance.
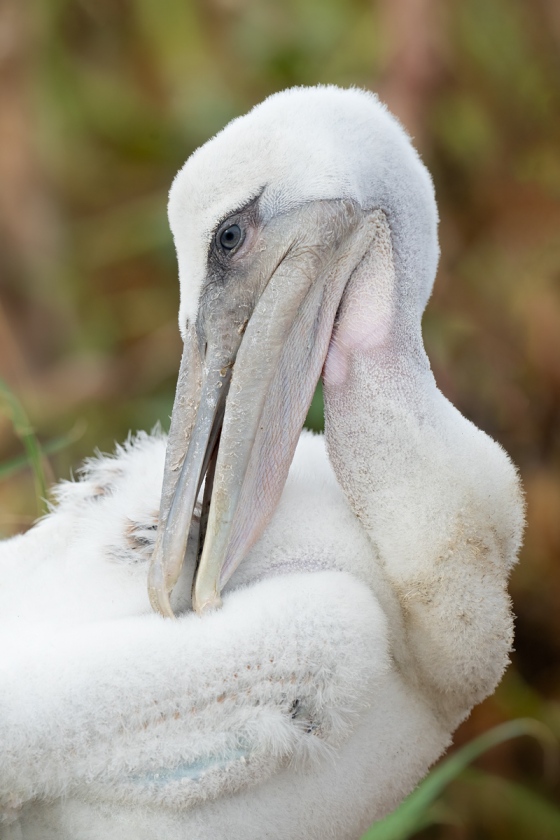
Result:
x=230 y=237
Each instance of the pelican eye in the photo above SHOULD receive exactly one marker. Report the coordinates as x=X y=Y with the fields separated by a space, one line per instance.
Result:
x=230 y=237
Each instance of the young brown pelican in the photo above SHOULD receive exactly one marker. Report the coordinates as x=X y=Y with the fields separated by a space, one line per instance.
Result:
x=364 y=593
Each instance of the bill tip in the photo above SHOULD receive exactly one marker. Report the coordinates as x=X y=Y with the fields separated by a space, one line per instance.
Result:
x=159 y=599
x=207 y=605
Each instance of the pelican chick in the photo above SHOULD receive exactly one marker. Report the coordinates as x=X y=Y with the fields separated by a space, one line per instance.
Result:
x=365 y=608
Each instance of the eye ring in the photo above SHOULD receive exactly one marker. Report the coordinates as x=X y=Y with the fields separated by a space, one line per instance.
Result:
x=230 y=237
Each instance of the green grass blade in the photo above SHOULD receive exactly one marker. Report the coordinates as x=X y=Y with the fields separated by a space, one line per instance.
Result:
x=26 y=434
x=411 y=815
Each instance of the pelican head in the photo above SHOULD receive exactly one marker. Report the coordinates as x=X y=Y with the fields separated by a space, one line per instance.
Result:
x=271 y=219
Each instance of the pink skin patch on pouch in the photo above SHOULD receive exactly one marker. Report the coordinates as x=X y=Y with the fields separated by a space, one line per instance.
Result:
x=366 y=316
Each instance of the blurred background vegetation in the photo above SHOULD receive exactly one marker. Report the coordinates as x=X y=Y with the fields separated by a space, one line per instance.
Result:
x=101 y=101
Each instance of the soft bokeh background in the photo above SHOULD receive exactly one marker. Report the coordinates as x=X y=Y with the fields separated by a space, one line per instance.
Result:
x=101 y=101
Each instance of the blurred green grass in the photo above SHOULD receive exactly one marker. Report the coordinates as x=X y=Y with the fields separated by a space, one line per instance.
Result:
x=101 y=101
x=426 y=807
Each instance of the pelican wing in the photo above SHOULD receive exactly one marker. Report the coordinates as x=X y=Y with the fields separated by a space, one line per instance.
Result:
x=146 y=710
